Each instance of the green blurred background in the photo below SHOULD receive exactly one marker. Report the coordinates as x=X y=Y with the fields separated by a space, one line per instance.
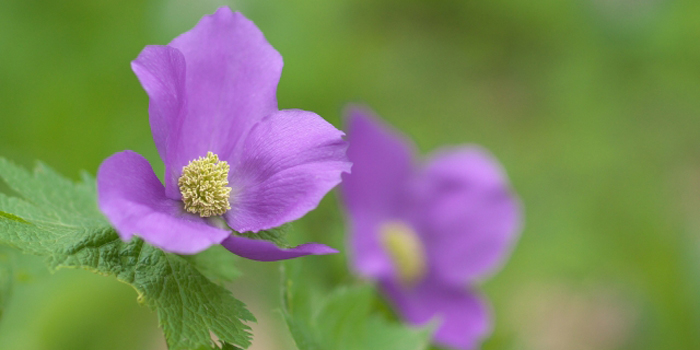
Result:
x=592 y=106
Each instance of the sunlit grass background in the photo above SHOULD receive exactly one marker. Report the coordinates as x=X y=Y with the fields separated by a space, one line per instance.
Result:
x=592 y=106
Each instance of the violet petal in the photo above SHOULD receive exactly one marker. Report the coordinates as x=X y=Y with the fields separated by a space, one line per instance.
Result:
x=134 y=201
x=471 y=218
x=374 y=191
x=288 y=162
x=267 y=251
x=161 y=71
x=464 y=317
x=231 y=84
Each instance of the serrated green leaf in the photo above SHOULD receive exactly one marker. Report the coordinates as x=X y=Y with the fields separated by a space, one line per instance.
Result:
x=188 y=304
x=215 y=263
x=227 y=346
x=224 y=346
x=345 y=321
x=60 y=220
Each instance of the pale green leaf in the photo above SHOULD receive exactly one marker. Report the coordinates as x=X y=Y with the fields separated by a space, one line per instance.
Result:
x=297 y=311
x=345 y=320
x=7 y=274
x=11 y=217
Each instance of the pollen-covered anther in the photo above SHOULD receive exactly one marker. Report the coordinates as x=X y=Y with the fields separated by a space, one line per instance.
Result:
x=204 y=186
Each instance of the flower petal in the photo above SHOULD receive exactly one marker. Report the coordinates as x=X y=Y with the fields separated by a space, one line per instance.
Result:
x=288 y=162
x=161 y=71
x=374 y=191
x=260 y=250
x=231 y=84
x=382 y=165
x=470 y=217
x=464 y=317
x=134 y=201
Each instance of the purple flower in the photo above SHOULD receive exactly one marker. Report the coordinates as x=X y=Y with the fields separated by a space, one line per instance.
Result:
x=428 y=232
x=230 y=155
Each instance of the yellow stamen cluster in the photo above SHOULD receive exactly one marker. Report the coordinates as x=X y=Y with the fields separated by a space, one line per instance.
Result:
x=406 y=251
x=204 y=186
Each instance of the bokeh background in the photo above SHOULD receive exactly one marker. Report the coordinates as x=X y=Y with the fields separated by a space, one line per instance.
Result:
x=592 y=106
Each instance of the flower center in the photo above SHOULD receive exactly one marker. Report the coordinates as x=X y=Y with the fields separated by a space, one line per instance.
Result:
x=406 y=251
x=204 y=186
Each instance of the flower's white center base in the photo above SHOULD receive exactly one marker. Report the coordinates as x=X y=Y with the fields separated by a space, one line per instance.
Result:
x=204 y=186
x=406 y=251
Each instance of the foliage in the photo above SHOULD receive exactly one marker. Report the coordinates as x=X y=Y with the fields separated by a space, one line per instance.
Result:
x=277 y=235
x=59 y=219
x=216 y=264
x=344 y=320
x=6 y=277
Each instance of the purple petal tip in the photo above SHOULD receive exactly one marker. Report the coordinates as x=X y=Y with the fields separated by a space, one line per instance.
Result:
x=260 y=250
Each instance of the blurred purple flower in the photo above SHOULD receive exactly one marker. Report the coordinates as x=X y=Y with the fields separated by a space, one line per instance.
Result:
x=428 y=233
x=229 y=153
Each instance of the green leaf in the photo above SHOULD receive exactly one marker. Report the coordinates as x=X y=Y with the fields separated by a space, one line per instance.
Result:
x=277 y=235
x=6 y=277
x=11 y=217
x=227 y=346
x=224 y=346
x=188 y=304
x=216 y=263
x=345 y=321
x=59 y=219
x=297 y=311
